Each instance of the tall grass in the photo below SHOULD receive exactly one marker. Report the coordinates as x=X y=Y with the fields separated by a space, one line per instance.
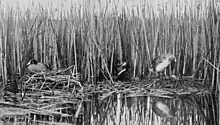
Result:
x=93 y=40
x=84 y=37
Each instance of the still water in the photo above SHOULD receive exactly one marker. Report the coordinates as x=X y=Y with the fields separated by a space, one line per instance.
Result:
x=120 y=110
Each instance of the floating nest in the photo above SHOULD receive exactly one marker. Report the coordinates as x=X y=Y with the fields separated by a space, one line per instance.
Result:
x=167 y=87
x=48 y=97
x=57 y=96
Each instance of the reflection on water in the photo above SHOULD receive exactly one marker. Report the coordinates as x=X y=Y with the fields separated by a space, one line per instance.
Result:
x=119 y=110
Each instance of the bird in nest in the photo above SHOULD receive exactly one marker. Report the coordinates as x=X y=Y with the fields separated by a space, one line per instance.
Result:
x=161 y=62
x=34 y=66
x=120 y=73
x=123 y=73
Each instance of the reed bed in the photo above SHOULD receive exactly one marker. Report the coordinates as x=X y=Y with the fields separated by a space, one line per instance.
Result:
x=92 y=41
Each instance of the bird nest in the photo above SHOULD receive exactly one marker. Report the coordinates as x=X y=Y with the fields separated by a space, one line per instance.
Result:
x=46 y=97
x=57 y=96
x=167 y=87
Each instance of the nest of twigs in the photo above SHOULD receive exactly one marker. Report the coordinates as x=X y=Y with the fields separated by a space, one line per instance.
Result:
x=57 y=96
x=46 y=97
x=167 y=87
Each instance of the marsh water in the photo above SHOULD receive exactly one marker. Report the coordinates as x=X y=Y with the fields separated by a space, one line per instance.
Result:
x=121 y=110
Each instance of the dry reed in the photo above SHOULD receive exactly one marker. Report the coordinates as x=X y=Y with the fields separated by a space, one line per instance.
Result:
x=92 y=41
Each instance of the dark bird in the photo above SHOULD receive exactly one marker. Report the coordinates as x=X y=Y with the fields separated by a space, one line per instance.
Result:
x=162 y=110
x=160 y=63
x=123 y=73
x=34 y=66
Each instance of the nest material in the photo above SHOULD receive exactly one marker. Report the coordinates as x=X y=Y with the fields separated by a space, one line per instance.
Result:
x=46 y=97
x=59 y=94
x=158 y=87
